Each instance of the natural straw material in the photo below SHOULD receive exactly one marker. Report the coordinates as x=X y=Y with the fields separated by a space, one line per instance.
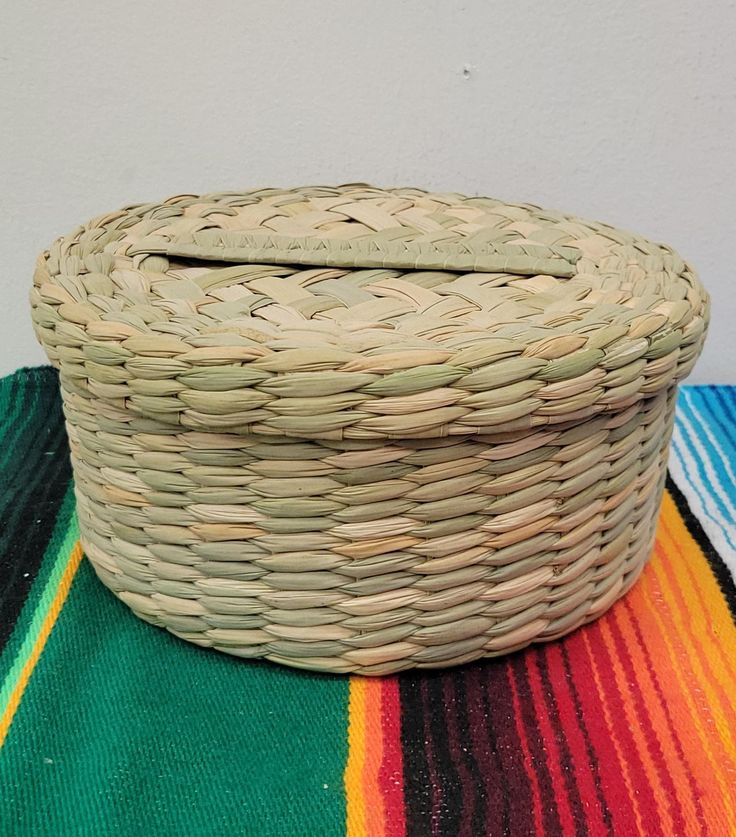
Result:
x=360 y=430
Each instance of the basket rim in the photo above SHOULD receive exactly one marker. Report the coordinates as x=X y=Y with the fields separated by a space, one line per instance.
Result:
x=459 y=289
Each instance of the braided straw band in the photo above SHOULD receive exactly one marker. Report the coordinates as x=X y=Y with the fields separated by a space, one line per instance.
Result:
x=360 y=430
x=396 y=251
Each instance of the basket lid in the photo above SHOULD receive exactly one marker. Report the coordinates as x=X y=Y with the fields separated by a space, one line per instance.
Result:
x=363 y=230
x=355 y=312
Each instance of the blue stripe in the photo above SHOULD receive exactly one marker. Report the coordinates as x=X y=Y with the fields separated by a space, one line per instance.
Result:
x=704 y=409
x=715 y=460
x=718 y=415
x=690 y=486
x=726 y=397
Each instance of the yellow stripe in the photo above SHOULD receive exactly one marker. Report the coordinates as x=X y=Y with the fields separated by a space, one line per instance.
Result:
x=652 y=590
x=48 y=623
x=708 y=619
x=684 y=688
x=354 y=797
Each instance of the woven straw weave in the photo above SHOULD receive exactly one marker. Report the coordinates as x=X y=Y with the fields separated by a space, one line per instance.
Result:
x=359 y=430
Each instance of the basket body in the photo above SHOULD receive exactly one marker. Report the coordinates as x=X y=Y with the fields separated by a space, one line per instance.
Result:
x=276 y=512
x=426 y=553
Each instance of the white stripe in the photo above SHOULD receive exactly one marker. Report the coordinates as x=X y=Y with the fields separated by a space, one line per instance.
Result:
x=726 y=460
x=690 y=483
x=709 y=469
x=685 y=474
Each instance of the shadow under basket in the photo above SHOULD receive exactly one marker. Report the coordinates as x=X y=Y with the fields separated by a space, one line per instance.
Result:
x=361 y=430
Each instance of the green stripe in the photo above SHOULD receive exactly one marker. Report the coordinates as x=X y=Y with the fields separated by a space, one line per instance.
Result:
x=29 y=624
x=124 y=729
x=26 y=452
x=15 y=407
x=36 y=477
x=10 y=406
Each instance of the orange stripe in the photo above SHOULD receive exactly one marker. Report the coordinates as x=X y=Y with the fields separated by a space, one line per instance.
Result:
x=690 y=702
x=353 y=779
x=48 y=623
x=701 y=601
x=374 y=746
x=651 y=672
x=696 y=627
x=364 y=799
x=686 y=712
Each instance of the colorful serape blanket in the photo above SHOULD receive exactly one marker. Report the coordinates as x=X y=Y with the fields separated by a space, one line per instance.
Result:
x=109 y=726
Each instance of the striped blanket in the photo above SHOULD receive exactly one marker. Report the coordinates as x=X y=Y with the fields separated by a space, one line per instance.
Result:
x=109 y=726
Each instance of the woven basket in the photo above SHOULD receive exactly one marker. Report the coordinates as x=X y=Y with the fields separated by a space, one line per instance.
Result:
x=359 y=430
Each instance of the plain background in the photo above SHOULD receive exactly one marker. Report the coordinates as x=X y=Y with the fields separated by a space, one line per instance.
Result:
x=623 y=111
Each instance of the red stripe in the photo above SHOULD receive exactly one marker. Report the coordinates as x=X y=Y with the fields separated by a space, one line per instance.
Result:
x=614 y=787
x=645 y=724
x=554 y=763
x=642 y=787
x=391 y=773
x=570 y=725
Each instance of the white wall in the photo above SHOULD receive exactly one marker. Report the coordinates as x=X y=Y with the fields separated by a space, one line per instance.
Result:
x=621 y=111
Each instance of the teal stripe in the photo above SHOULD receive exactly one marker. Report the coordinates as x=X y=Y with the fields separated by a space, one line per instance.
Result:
x=125 y=729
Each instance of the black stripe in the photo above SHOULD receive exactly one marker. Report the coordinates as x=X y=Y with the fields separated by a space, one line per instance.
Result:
x=417 y=784
x=449 y=784
x=430 y=703
x=424 y=735
x=12 y=432
x=35 y=479
x=535 y=740
x=483 y=718
x=26 y=541
x=512 y=782
x=473 y=790
x=721 y=572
